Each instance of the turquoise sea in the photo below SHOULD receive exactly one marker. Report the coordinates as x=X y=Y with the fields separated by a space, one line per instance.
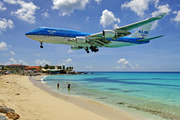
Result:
x=145 y=95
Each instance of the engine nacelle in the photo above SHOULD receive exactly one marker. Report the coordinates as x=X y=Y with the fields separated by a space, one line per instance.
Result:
x=73 y=47
x=109 y=33
x=81 y=40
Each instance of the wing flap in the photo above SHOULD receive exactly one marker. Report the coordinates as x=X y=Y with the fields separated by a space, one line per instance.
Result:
x=99 y=42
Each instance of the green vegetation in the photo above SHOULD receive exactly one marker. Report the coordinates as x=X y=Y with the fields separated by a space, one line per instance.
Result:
x=59 y=67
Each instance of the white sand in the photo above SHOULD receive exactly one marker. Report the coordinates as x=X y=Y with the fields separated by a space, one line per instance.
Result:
x=34 y=103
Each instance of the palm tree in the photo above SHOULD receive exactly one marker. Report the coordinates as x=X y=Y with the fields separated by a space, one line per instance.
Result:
x=46 y=66
x=63 y=67
x=59 y=67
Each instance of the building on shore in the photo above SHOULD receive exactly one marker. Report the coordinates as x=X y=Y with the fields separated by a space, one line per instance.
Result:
x=32 y=68
x=16 y=66
x=1 y=66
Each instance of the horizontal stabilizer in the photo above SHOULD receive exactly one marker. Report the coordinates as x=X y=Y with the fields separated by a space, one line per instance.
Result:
x=147 y=39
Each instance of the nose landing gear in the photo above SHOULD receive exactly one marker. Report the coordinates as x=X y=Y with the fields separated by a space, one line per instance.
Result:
x=41 y=46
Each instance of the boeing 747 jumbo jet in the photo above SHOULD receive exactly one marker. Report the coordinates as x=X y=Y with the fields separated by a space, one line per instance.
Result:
x=87 y=41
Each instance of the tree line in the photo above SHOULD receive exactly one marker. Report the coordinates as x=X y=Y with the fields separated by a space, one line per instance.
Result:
x=59 y=67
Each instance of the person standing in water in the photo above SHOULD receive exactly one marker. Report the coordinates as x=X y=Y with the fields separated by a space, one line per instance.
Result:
x=58 y=85
x=68 y=85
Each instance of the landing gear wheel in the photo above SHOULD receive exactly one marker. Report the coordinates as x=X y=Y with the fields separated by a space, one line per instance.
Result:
x=88 y=51
x=94 y=49
x=41 y=46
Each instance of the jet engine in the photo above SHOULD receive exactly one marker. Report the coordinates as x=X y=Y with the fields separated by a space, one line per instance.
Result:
x=73 y=47
x=109 y=34
x=81 y=40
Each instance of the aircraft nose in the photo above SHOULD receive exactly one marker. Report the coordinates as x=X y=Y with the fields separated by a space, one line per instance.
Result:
x=28 y=33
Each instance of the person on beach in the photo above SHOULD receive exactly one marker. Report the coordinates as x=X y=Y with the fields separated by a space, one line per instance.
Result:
x=58 y=85
x=68 y=85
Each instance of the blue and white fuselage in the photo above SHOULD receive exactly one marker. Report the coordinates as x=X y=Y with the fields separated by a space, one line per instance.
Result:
x=108 y=38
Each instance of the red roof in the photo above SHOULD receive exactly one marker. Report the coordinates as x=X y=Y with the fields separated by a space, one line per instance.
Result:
x=16 y=65
x=32 y=67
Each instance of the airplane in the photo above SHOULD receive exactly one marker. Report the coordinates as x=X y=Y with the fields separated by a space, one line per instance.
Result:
x=107 y=38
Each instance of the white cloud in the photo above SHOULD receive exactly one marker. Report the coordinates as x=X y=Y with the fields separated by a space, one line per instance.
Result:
x=8 y=63
x=161 y=9
x=87 y=18
x=65 y=62
x=156 y=3
x=22 y=62
x=115 y=26
x=70 y=51
x=43 y=62
x=13 y=53
x=98 y=1
x=177 y=18
x=108 y=18
x=11 y=1
x=3 y=46
x=68 y=61
x=89 y=67
x=154 y=25
x=37 y=55
x=117 y=67
x=68 y=6
x=125 y=64
x=1 y=6
x=4 y=24
x=61 y=64
x=45 y=15
x=13 y=60
x=139 y=6
x=26 y=12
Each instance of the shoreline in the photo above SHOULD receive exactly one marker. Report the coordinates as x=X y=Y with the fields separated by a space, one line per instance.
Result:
x=98 y=108
x=35 y=103
x=149 y=109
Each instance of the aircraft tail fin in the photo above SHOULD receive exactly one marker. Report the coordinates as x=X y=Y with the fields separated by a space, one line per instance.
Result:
x=142 y=32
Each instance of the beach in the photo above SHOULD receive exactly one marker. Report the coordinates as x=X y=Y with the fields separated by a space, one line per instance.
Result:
x=34 y=103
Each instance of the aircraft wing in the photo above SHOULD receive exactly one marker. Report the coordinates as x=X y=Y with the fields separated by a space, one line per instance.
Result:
x=138 y=24
x=122 y=31
x=99 y=42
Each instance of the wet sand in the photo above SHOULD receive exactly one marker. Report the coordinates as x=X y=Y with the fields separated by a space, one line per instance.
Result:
x=36 y=101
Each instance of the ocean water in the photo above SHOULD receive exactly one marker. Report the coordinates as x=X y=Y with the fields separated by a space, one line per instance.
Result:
x=143 y=95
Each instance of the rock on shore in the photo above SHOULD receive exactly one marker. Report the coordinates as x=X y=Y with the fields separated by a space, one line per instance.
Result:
x=2 y=117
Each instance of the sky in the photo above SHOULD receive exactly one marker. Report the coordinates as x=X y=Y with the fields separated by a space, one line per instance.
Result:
x=92 y=16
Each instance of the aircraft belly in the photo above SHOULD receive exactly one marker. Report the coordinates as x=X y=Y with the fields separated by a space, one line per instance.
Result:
x=55 y=40
x=118 y=44
x=50 y=39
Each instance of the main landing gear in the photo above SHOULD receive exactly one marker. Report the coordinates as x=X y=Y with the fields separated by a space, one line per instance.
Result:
x=93 y=49
x=41 y=46
x=87 y=50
